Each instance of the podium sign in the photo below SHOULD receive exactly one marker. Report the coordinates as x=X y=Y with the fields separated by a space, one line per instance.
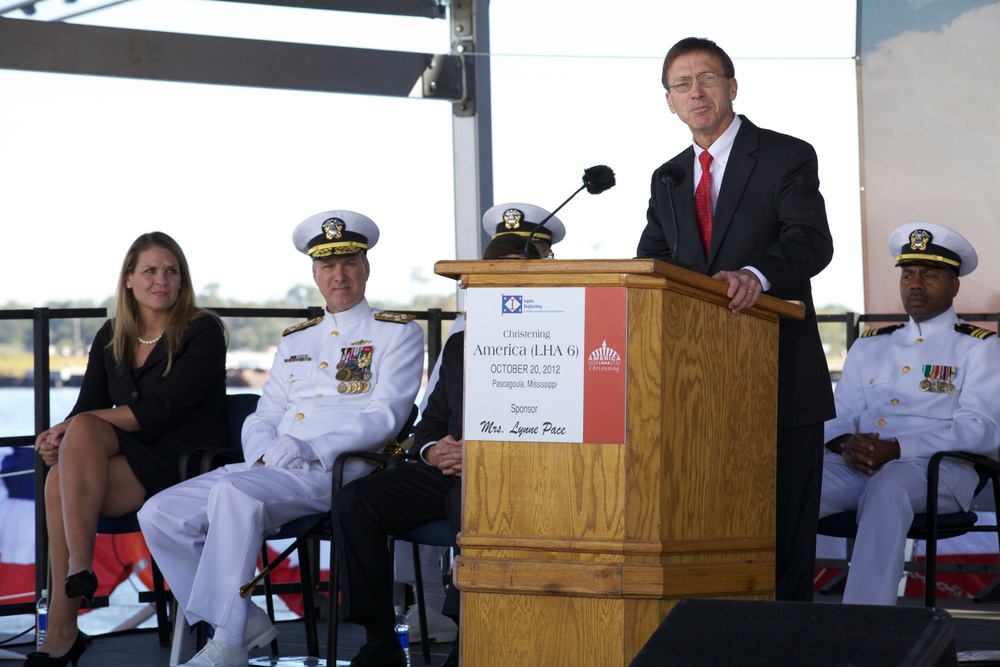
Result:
x=576 y=545
x=546 y=364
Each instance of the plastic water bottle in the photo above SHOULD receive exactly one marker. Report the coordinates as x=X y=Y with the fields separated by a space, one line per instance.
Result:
x=403 y=633
x=41 y=617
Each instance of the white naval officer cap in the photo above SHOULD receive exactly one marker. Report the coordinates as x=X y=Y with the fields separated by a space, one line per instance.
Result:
x=931 y=244
x=335 y=233
x=522 y=219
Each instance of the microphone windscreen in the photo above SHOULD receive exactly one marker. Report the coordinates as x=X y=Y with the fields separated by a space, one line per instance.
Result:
x=670 y=174
x=599 y=178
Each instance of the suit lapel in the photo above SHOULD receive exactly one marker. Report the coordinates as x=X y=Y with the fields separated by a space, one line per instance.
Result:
x=734 y=182
x=159 y=352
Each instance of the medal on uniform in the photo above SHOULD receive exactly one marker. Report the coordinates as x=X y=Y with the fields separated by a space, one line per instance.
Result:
x=945 y=384
x=930 y=378
x=355 y=369
x=938 y=379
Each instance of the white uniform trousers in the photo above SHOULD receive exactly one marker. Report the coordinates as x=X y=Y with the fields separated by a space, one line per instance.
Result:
x=886 y=503
x=206 y=533
x=430 y=570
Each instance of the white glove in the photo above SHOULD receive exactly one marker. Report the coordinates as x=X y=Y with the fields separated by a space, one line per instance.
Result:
x=288 y=452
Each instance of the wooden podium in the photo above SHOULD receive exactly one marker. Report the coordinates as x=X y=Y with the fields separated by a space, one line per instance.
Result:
x=572 y=553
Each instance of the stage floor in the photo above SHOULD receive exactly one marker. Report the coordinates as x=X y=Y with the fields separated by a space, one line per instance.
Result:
x=976 y=629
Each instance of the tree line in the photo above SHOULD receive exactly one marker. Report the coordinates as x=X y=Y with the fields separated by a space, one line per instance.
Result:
x=245 y=333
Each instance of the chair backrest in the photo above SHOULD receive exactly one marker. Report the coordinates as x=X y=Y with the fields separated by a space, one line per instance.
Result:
x=239 y=406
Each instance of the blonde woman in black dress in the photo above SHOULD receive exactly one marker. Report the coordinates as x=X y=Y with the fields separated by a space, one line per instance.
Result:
x=155 y=383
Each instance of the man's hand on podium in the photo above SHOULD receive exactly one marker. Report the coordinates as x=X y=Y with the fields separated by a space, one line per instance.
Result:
x=744 y=288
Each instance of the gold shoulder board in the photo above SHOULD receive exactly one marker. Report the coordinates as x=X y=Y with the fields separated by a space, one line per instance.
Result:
x=881 y=330
x=975 y=332
x=302 y=325
x=399 y=318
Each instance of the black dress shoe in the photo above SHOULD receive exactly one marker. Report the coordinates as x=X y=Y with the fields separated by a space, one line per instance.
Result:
x=380 y=653
x=83 y=584
x=71 y=656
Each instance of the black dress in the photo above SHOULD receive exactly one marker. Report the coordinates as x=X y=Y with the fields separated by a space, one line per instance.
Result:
x=184 y=409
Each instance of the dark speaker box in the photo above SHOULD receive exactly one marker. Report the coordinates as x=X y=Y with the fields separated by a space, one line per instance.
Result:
x=707 y=633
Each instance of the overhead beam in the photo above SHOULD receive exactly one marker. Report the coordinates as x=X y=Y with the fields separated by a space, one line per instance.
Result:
x=142 y=54
x=431 y=9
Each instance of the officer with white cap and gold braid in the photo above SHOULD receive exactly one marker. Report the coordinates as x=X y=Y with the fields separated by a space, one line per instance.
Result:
x=523 y=219
x=516 y=219
x=344 y=381
x=908 y=391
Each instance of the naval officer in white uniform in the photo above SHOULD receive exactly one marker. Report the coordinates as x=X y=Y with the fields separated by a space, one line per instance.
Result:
x=908 y=391
x=344 y=381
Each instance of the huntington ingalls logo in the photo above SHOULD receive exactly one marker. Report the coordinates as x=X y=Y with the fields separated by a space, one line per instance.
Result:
x=512 y=304
x=604 y=359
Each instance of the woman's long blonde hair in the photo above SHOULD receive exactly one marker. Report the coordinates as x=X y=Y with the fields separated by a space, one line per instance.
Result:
x=125 y=321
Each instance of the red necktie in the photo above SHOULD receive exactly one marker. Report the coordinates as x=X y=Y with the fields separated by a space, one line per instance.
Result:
x=703 y=200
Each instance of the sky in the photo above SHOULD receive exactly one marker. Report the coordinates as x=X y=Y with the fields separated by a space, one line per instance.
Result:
x=918 y=162
x=89 y=163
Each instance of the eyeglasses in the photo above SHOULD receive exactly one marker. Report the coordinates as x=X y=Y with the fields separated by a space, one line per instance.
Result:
x=705 y=80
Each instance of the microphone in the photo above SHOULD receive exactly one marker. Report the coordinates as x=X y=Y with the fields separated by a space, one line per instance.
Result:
x=596 y=180
x=671 y=175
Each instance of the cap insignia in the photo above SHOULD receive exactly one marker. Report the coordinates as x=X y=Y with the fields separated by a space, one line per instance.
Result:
x=919 y=239
x=512 y=218
x=333 y=228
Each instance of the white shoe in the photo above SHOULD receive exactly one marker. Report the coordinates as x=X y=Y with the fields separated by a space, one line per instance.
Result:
x=218 y=654
x=260 y=631
x=440 y=628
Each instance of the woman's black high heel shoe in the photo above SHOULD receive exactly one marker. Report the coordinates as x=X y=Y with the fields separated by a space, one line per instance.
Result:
x=83 y=584
x=71 y=656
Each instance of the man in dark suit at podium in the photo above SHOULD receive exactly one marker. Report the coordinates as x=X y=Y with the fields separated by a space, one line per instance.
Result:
x=749 y=212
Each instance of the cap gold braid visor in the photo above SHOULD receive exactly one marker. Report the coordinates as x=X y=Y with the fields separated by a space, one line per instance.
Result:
x=343 y=248
x=542 y=235
x=918 y=257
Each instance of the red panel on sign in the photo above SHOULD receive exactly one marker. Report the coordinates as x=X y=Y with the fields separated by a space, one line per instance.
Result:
x=604 y=353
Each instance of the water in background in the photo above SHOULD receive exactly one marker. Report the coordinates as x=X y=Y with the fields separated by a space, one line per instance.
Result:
x=17 y=408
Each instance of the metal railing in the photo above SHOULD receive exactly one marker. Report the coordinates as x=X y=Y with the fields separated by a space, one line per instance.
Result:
x=435 y=317
x=41 y=319
x=852 y=321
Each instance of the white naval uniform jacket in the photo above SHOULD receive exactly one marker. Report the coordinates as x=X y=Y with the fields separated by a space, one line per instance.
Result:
x=880 y=392
x=301 y=397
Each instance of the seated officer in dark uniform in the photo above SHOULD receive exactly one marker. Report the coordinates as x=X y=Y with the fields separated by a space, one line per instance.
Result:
x=392 y=502
x=908 y=391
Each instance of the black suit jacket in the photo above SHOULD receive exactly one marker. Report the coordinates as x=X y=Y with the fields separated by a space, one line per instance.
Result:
x=443 y=414
x=770 y=215
x=186 y=408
